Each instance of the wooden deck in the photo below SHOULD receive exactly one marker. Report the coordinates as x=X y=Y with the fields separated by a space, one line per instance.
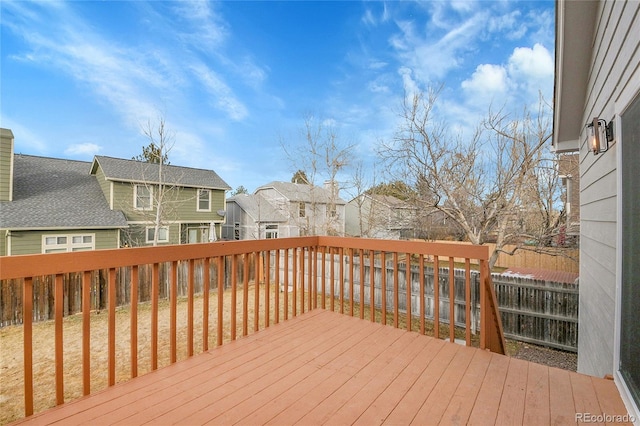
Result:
x=326 y=368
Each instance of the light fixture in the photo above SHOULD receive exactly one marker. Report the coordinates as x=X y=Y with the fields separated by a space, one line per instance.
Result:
x=601 y=133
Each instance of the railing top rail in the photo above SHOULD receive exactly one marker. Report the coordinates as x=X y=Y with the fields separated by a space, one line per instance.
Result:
x=60 y=263
x=460 y=250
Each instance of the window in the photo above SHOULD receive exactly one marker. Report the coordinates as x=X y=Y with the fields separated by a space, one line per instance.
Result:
x=236 y=230
x=64 y=243
x=301 y=209
x=142 y=197
x=271 y=231
x=163 y=234
x=204 y=200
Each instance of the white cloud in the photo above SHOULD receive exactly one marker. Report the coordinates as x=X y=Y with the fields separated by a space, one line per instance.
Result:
x=431 y=59
x=487 y=79
x=531 y=63
x=224 y=97
x=83 y=149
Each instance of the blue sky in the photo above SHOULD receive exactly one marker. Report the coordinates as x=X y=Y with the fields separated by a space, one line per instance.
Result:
x=234 y=80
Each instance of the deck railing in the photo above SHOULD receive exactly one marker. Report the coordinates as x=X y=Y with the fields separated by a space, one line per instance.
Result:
x=289 y=277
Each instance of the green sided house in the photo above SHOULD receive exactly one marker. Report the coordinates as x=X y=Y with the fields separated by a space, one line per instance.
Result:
x=50 y=205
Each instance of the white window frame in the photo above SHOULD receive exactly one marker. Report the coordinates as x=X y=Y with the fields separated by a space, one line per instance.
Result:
x=236 y=231
x=271 y=230
x=136 y=198
x=160 y=240
x=65 y=243
x=198 y=207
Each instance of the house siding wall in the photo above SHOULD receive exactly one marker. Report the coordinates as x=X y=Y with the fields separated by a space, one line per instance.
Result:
x=6 y=162
x=615 y=62
x=183 y=206
x=30 y=242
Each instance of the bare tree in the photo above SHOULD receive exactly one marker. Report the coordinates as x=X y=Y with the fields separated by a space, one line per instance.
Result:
x=320 y=154
x=483 y=183
x=158 y=187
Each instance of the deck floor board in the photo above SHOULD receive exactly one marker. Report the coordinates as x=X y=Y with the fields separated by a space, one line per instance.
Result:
x=326 y=368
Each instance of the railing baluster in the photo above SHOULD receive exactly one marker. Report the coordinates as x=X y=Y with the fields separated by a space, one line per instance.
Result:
x=372 y=287
x=396 y=289
x=324 y=277
x=59 y=312
x=341 y=275
x=256 y=293
x=190 y=302
x=332 y=278
x=86 y=332
x=467 y=299
x=27 y=326
x=310 y=274
x=452 y=301
x=436 y=296
x=245 y=295
x=302 y=280
x=206 y=282
x=155 y=287
x=276 y=286
x=267 y=279
x=112 y=327
x=422 y=303
x=294 y=276
x=361 y=258
x=133 y=320
x=286 y=283
x=220 y=299
x=234 y=278
x=408 y=291
x=383 y=287
x=173 y=312
x=351 y=291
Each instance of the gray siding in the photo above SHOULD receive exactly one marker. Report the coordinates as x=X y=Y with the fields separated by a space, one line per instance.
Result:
x=615 y=62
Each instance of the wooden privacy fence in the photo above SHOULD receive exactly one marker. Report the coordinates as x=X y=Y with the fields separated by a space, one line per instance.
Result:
x=565 y=259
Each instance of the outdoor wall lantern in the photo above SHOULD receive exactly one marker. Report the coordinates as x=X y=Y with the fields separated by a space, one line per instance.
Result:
x=600 y=134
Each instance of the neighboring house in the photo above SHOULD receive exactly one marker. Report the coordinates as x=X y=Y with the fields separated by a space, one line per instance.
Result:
x=50 y=205
x=192 y=208
x=380 y=216
x=598 y=75
x=252 y=217
x=307 y=210
x=569 y=172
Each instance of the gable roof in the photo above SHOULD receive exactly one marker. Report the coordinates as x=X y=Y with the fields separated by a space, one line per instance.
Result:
x=257 y=207
x=297 y=192
x=51 y=193
x=121 y=170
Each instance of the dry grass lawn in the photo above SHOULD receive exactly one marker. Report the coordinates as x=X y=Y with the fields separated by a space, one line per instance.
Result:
x=11 y=346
